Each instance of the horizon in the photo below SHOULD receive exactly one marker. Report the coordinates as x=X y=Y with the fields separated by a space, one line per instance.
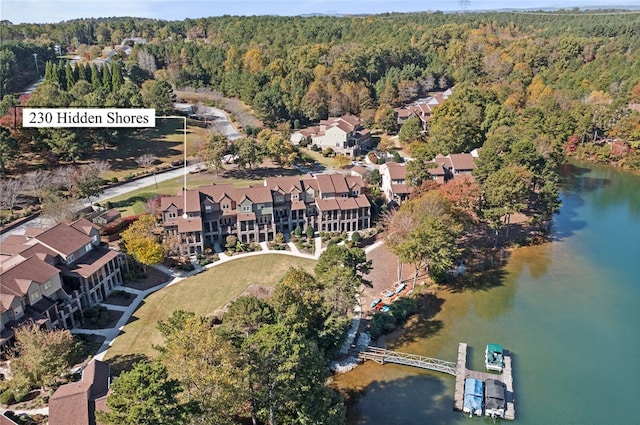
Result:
x=56 y=11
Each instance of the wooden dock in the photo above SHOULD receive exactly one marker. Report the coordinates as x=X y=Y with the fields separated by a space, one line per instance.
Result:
x=462 y=373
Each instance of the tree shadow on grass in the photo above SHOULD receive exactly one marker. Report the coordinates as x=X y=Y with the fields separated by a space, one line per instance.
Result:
x=259 y=173
x=124 y=362
x=143 y=197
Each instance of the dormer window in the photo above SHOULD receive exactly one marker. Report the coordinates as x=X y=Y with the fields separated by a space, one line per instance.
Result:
x=172 y=215
x=96 y=238
x=35 y=296
x=294 y=196
x=246 y=208
x=87 y=248
x=345 y=195
x=70 y=258
x=279 y=198
x=208 y=207
x=225 y=206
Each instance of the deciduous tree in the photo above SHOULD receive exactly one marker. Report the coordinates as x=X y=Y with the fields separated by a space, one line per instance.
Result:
x=141 y=243
x=40 y=356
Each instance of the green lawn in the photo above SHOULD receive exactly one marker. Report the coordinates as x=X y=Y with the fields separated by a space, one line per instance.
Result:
x=202 y=294
x=166 y=141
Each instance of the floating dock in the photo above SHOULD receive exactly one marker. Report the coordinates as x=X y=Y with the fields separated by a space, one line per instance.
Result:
x=462 y=373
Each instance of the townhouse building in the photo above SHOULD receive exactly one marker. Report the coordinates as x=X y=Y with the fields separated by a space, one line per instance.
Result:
x=206 y=216
x=50 y=275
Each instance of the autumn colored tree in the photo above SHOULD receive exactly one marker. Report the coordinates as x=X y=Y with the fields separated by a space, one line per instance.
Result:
x=141 y=243
x=205 y=363
x=40 y=356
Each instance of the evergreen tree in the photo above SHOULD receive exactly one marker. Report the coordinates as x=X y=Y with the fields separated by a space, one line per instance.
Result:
x=117 y=80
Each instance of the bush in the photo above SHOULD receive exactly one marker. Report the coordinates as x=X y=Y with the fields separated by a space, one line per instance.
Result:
x=381 y=323
x=328 y=152
x=91 y=313
x=355 y=236
x=310 y=232
x=19 y=394
x=403 y=308
x=7 y=398
x=380 y=161
x=315 y=148
x=298 y=231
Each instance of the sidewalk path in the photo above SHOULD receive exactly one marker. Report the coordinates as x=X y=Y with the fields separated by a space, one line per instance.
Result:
x=111 y=334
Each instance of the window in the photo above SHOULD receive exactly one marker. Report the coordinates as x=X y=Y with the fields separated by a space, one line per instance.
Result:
x=246 y=208
x=47 y=284
x=294 y=197
x=70 y=258
x=96 y=238
x=345 y=195
x=87 y=248
x=17 y=311
x=279 y=198
x=34 y=297
x=225 y=206
x=208 y=207
x=172 y=215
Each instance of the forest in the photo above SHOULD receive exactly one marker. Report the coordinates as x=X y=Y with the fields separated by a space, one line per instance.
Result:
x=528 y=88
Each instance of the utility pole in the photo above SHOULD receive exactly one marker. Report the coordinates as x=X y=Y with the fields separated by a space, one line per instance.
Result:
x=35 y=58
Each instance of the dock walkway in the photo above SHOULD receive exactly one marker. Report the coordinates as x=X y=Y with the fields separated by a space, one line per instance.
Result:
x=506 y=376
x=459 y=370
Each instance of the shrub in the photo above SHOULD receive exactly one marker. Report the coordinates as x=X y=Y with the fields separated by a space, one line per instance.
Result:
x=381 y=323
x=101 y=323
x=309 y=232
x=315 y=148
x=328 y=152
x=403 y=308
x=232 y=242
x=91 y=313
x=7 y=398
x=280 y=238
x=380 y=161
x=355 y=236
x=298 y=231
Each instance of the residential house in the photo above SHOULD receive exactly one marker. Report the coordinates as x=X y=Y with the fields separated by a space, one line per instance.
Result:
x=345 y=135
x=394 y=185
x=257 y=213
x=423 y=108
x=50 y=275
x=76 y=403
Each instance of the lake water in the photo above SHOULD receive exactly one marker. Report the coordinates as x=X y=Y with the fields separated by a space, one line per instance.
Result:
x=569 y=311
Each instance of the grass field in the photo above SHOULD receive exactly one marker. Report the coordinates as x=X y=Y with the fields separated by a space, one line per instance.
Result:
x=166 y=141
x=202 y=294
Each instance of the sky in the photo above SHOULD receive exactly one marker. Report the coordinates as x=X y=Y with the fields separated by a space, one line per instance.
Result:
x=41 y=11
